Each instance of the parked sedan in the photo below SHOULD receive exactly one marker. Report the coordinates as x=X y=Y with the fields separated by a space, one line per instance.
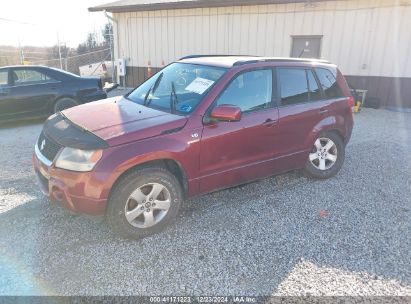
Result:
x=37 y=91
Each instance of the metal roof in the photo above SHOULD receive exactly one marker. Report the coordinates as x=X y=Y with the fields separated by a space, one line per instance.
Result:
x=151 y=5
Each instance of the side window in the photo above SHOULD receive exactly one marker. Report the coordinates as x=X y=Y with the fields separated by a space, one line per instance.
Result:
x=27 y=76
x=329 y=83
x=293 y=84
x=4 y=78
x=315 y=92
x=250 y=91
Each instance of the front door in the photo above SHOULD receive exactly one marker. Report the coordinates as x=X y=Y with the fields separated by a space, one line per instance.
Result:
x=6 y=102
x=236 y=152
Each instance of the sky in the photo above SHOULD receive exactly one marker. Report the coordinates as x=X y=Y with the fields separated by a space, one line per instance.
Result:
x=40 y=22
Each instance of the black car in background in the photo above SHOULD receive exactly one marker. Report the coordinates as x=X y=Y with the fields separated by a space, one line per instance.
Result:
x=37 y=91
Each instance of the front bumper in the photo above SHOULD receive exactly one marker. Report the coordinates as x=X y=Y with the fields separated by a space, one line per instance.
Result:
x=76 y=191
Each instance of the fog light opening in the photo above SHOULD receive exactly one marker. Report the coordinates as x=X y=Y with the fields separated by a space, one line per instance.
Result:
x=58 y=194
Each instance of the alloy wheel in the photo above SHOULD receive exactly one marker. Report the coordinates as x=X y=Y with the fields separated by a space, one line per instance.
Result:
x=324 y=154
x=147 y=205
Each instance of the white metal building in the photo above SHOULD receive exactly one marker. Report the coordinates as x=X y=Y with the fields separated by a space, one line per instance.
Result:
x=369 y=39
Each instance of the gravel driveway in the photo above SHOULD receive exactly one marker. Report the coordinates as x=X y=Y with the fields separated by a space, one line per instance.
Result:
x=285 y=235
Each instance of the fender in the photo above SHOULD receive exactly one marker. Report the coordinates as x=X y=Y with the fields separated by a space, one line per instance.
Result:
x=330 y=123
x=117 y=160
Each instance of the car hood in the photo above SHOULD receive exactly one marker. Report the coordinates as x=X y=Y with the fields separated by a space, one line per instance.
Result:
x=118 y=120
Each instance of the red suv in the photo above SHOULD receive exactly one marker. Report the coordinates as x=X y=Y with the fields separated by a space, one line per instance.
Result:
x=202 y=123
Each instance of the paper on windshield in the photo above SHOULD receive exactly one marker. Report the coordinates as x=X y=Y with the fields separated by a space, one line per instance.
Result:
x=199 y=85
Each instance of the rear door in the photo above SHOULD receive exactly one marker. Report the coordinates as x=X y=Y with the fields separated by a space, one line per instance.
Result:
x=235 y=152
x=302 y=106
x=32 y=91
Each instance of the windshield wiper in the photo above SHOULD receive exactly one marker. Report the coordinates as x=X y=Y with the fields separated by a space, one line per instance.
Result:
x=173 y=98
x=152 y=89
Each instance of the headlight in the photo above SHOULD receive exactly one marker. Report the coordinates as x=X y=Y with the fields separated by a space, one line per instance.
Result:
x=78 y=160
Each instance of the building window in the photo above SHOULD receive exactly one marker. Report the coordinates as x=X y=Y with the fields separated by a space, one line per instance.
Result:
x=306 y=46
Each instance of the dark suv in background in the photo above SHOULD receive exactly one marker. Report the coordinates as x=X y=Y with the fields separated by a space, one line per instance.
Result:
x=37 y=91
x=202 y=123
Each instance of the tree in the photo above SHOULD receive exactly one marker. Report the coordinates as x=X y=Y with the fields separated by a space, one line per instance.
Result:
x=107 y=33
x=54 y=51
x=91 y=41
x=81 y=48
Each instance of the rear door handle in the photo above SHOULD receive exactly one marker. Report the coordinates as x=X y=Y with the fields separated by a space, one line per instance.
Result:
x=269 y=122
x=323 y=111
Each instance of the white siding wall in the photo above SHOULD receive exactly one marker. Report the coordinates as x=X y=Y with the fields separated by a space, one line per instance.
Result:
x=364 y=37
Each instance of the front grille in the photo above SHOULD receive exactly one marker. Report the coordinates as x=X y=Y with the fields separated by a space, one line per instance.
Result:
x=48 y=147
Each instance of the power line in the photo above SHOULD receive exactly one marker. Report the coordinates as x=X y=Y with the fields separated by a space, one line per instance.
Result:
x=16 y=21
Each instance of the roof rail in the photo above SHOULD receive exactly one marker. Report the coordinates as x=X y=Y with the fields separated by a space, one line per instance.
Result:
x=241 y=62
x=215 y=55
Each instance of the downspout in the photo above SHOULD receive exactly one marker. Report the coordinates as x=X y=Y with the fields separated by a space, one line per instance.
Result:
x=113 y=21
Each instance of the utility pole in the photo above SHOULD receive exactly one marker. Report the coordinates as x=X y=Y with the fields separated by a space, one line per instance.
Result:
x=112 y=51
x=58 y=42
x=113 y=22
x=21 y=53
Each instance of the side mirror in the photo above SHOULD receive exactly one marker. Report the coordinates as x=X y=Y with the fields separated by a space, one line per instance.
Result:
x=226 y=113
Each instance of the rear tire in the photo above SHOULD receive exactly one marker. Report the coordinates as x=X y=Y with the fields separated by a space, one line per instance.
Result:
x=64 y=103
x=144 y=202
x=326 y=157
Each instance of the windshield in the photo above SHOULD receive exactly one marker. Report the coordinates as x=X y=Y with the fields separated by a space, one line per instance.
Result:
x=178 y=88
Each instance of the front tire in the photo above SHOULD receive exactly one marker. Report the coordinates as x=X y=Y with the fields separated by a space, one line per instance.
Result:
x=144 y=202
x=326 y=157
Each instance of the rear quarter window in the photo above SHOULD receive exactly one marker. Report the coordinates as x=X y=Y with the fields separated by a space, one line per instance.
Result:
x=329 y=83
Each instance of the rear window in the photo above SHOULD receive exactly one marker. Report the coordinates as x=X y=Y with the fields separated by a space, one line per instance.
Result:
x=28 y=76
x=328 y=83
x=293 y=83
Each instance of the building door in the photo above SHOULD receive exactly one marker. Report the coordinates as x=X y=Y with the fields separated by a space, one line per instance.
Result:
x=306 y=46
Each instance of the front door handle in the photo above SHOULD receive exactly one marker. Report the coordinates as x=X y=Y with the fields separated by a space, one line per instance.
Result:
x=269 y=122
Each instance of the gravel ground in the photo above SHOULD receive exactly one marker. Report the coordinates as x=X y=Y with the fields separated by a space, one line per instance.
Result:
x=285 y=235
